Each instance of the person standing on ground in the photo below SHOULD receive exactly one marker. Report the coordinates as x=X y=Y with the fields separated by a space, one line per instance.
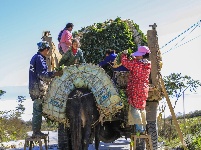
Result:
x=38 y=82
x=66 y=38
x=138 y=84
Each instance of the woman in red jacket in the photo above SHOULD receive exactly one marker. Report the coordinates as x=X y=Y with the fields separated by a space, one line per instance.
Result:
x=138 y=83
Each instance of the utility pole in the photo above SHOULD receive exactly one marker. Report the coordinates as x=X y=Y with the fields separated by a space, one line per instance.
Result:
x=157 y=82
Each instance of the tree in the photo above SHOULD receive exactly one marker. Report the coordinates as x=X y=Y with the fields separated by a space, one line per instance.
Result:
x=175 y=84
x=20 y=108
x=2 y=92
x=11 y=125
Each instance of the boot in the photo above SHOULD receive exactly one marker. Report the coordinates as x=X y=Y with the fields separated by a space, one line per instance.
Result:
x=140 y=129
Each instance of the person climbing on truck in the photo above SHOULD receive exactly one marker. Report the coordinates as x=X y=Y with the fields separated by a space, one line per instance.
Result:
x=65 y=38
x=108 y=62
x=73 y=56
x=138 y=84
x=38 y=82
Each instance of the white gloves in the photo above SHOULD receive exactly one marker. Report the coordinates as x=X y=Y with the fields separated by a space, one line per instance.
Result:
x=125 y=51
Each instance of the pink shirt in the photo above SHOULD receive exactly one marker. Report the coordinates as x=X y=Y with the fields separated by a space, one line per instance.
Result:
x=64 y=42
x=66 y=36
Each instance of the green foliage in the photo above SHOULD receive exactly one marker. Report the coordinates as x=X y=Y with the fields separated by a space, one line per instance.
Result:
x=59 y=68
x=2 y=92
x=115 y=34
x=196 y=113
x=175 y=84
x=20 y=108
x=195 y=142
x=123 y=96
x=118 y=58
x=11 y=126
x=191 y=129
x=49 y=125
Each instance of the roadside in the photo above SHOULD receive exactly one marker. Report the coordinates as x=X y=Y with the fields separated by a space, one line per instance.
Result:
x=119 y=144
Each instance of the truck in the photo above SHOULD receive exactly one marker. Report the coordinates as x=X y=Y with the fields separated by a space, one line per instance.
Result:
x=114 y=121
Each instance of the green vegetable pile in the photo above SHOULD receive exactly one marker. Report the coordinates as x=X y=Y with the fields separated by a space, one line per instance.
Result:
x=123 y=96
x=59 y=68
x=115 y=34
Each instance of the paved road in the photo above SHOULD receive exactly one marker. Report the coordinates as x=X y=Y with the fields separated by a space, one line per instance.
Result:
x=119 y=144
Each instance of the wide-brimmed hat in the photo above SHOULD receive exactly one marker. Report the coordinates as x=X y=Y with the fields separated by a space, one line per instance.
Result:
x=142 y=50
x=43 y=45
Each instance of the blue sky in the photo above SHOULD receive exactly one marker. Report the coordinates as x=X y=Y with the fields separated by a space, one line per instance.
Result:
x=22 y=23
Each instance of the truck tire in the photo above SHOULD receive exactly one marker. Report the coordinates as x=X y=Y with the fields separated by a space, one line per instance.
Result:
x=153 y=131
x=151 y=116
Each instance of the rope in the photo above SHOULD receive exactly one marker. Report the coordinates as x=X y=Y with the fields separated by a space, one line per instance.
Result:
x=95 y=123
x=82 y=95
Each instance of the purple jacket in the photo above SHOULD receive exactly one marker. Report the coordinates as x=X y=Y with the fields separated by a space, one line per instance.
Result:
x=109 y=60
x=38 y=76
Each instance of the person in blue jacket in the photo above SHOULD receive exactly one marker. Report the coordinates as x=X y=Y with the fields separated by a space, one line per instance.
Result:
x=109 y=61
x=39 y=77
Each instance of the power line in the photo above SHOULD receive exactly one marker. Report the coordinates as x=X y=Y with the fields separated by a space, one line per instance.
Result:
x=184 y=37
x=182 y=44
x=196 y=24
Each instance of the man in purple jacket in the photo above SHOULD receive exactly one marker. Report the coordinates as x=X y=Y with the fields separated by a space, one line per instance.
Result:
x=39 y=77
x=109 y=61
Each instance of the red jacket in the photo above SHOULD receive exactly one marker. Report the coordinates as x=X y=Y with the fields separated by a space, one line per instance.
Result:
x=138 y=82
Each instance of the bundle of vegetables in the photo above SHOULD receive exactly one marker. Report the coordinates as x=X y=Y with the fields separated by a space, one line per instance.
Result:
x=59 y=68
x=118 y=58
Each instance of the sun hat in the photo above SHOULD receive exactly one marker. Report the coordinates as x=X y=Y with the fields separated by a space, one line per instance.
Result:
x=142 y=50
x=43 y=45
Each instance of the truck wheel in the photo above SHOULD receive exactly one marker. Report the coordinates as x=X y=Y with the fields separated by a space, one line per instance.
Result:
x=153 y=131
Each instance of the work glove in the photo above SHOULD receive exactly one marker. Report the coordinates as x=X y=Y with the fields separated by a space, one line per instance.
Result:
x=125 y=52
x=58 y=73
